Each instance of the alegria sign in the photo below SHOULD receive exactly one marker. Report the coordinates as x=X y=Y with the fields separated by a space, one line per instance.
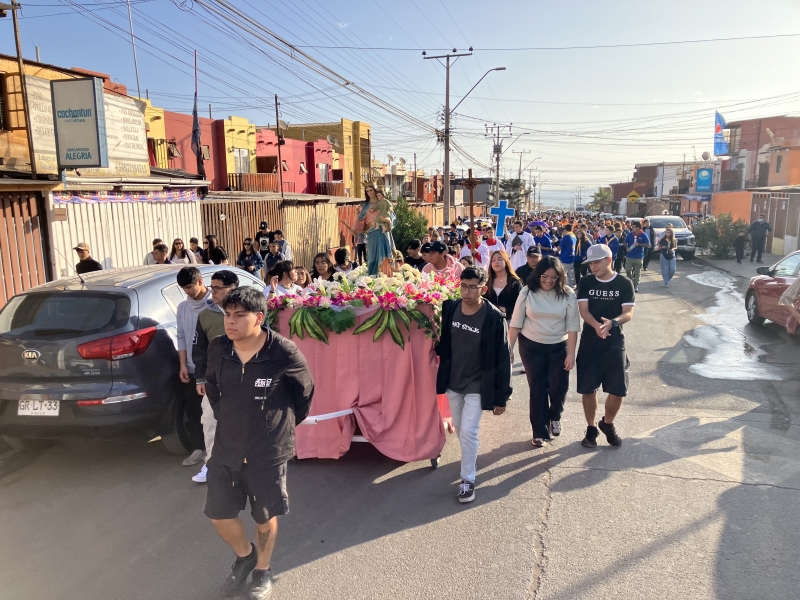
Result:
x=80 y=123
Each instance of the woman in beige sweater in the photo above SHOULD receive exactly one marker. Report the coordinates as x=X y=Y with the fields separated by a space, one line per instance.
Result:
x=546 y=321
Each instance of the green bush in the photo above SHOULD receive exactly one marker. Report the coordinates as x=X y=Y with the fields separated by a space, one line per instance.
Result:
x=410 y=225
x=717 y=234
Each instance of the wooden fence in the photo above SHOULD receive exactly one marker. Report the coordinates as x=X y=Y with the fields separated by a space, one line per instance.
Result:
x=241 y=220
x=257 y=182
x=23 y=253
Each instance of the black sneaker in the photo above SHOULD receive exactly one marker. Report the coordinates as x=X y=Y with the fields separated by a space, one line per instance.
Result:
x=611 y=433
x=239 y=572
x=262 y=585
x=466 y=492
x=590 y=441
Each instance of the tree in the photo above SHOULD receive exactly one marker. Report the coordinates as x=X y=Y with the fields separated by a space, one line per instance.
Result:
x=599 y=198
x=717 y=234
x=512 y=191
x=410 y=225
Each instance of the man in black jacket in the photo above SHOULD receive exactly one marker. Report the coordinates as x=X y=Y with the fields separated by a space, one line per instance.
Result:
x=259 y=387
x=758 y=237
x=475 y=367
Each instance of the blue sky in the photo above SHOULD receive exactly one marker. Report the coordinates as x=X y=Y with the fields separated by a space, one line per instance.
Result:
x=590 y=113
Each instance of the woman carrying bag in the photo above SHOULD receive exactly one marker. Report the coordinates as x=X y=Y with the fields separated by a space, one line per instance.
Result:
x=546 y=321
x=669 y=262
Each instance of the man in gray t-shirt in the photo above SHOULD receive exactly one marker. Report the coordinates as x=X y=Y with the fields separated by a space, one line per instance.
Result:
x=465 y=333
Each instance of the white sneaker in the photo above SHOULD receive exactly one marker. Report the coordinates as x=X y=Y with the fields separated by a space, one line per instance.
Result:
x=195 y=458
x=201 y=476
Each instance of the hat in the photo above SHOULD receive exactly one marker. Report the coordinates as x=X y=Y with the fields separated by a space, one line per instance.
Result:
x=534 y=251
x=263 y=225
x=82 y=246
x=435 y=246
x=598 y=252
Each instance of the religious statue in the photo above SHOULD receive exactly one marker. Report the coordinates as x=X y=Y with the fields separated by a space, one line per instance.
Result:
x=376 y=221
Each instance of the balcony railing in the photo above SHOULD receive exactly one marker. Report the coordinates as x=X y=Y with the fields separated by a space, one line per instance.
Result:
x=330 y=188
x=257 y=182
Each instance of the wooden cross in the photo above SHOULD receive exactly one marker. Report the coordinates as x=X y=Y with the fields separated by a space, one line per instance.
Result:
x=471 y=183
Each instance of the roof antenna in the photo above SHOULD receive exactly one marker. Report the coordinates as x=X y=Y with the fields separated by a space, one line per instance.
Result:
x=83 y=282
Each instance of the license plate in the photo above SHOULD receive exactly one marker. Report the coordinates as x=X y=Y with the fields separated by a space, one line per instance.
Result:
x=38 y=408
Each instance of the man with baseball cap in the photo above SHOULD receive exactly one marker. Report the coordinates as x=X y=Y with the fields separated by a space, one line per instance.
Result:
x=605 y=301
x=439 y=261
x=86 y=264
x=533 y=256
x=263 y=239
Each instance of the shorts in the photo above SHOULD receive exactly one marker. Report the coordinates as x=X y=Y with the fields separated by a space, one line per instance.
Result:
x=606 y=367
x=228 y=491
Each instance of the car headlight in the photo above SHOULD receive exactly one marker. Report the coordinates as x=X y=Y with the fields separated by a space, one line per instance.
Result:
x=690 y=238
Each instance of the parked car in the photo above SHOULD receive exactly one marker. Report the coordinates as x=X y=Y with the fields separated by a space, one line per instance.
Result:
x=687 y=246
x=94 y=354
x=766 y=289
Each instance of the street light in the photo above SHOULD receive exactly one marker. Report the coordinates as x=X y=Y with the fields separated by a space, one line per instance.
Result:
x=447 y=113
x=474 y=86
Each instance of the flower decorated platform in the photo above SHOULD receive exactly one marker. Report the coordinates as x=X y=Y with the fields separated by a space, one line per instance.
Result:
x=369 y=344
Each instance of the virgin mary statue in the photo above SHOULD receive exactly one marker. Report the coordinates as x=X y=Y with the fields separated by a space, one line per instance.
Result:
x=376 y=221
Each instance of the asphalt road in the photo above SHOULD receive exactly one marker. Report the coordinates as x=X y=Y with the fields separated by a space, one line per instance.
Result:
x=701 y=501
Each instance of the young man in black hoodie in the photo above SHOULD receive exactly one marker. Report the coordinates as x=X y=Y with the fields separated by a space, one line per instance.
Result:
x=475 y=367
x=259 y=387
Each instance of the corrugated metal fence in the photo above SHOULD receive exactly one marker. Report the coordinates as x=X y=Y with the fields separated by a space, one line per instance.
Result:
x=241 y=220
x=120 y=234
x=23 y=255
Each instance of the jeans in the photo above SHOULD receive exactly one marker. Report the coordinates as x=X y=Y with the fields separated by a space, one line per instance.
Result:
x=361 y=253
x=190 y=407
x=547 y=380
x=668 y=268
x=209 y=426
x=648 y=255
x=570 y=269
x=466 y=410
x=633 y=268
x=581 y=270
x=758 y=244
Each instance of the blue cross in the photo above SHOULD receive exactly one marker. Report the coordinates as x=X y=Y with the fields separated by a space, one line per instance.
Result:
x=501 y=211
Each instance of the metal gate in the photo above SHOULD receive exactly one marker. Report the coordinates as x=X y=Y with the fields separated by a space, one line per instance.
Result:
x=23 y=243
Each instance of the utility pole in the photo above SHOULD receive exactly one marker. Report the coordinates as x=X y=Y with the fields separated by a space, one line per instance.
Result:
x=133 y=45
x=521 y=154
x=415 y=176
x=280 y=143
x=497 y=133
x=446 y=178
x=23 y=87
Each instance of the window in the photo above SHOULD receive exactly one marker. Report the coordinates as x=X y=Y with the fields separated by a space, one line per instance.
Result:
x=351 y=176
x=174 y=296
x=778 y=164
x=788 y=266
x=172 y=150
x=2 y=104
x=241 y=160
x=324 y=172
x=284 y=165
x=13 y=108
x=206 y=153
x=349 y=139
x=303 y=168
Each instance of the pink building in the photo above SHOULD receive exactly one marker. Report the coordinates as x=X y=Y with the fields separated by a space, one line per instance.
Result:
x=178 y=129
x=309 y=165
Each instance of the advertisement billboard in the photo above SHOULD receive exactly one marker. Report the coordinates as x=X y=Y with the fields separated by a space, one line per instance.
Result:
x=80 y=123
x=704 y=179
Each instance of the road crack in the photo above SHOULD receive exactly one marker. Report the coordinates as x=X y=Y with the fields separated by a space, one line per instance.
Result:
x=539 y=545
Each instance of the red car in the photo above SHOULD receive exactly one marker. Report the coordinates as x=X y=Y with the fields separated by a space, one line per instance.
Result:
x=765 y=291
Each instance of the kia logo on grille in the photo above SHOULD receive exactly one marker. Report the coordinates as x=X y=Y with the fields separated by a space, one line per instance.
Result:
x=31 y=354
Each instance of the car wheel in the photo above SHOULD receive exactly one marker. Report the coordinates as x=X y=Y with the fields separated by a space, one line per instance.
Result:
x=176 y=438
x=751 y=305
x=688 y=256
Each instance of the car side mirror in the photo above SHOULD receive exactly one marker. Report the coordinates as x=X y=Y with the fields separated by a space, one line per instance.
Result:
x=763 y=270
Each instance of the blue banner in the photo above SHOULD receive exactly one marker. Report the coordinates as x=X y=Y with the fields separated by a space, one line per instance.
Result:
x=704 y=178
x=720 y=145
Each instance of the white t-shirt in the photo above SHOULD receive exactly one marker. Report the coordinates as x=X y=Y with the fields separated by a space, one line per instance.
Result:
x=281 y=290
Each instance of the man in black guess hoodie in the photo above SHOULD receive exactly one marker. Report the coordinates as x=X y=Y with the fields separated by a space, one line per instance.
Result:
x=259 y=387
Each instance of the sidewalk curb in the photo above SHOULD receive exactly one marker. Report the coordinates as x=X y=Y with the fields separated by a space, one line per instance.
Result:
x=714 y=265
